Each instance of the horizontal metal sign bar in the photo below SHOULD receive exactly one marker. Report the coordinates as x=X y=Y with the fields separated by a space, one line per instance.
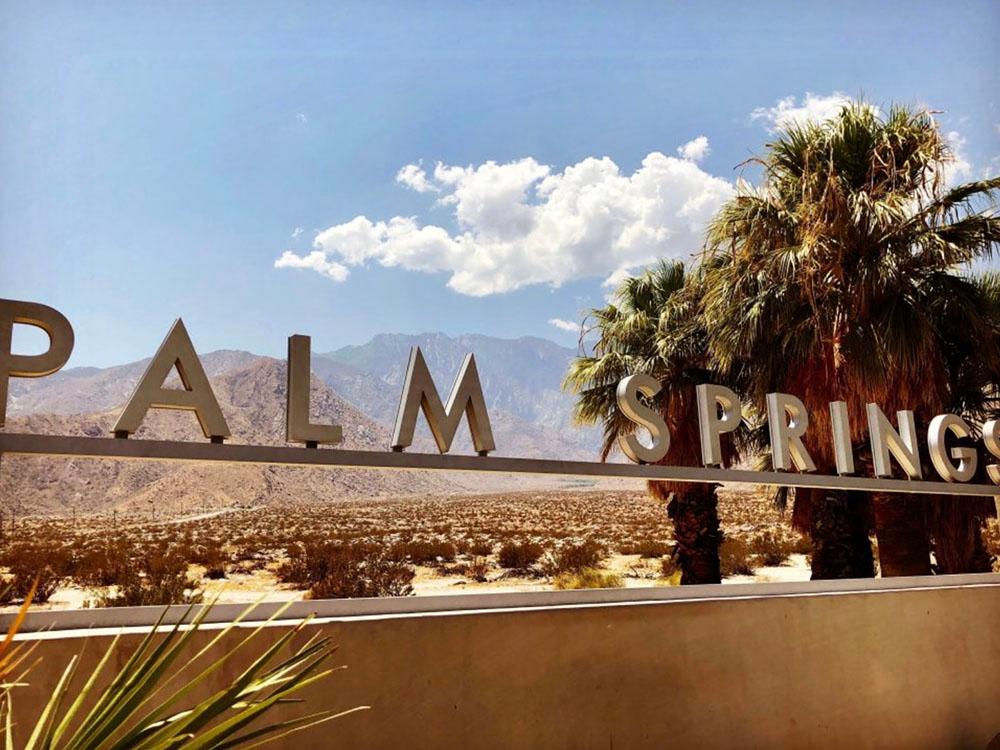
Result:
x=164 y=450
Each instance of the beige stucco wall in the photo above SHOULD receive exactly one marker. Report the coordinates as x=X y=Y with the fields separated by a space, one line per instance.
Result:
x=887 y=669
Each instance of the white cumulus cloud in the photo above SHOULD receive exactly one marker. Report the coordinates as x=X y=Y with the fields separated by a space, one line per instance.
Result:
x=959 y=169
x=789 y=111
x=565 y=325
x=315 y=261
x=695 y=150
x=414 y=177
x=521 y=223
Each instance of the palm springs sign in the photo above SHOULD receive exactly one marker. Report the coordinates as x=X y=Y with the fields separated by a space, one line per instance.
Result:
x=719 y=409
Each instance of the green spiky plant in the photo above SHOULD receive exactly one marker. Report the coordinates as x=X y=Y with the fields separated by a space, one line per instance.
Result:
x=147 y=704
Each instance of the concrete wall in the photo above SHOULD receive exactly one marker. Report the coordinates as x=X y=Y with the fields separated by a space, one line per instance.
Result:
x=892 y=668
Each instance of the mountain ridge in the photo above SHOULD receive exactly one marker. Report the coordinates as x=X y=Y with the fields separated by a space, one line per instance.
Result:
x=521 y=381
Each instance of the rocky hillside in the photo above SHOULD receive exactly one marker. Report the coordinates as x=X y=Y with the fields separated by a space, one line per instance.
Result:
x=522 y=383
x=356 y=387
x=253 y=401
x=85 y=390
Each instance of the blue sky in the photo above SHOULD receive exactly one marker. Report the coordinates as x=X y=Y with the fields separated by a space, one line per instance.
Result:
x=156 y=159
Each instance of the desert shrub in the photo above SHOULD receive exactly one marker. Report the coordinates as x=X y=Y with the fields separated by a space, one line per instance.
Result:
x=648 y=548
x=248 y=557
x=307 y=563
x=671 y=577
x=771 y=548
x=801 y=544
x=480 y=548
x=457 y=569
x=991 y=540
x=572 y=558
x=478 y=569
x=50 y=563
x=211 y=557
x=588 y=578
x=519 y=555
x=103 y=564
x=354 y=571
x=16 y=588
x=158 y=576
x=215 y=572
x=734 y=557
x=423 y=552
x=668 y=567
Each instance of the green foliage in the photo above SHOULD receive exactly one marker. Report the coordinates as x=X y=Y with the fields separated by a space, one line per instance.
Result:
x=836 y=278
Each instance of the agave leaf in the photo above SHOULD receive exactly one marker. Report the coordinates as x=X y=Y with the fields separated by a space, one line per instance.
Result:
x=84 y=691
x=285 y=728
x=42 y=733
x=139 y=676
x=185 y=689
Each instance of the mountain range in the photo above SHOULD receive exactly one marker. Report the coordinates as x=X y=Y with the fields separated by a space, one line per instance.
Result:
x=357 y=387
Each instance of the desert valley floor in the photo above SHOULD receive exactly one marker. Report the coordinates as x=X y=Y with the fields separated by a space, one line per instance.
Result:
x=413 y=545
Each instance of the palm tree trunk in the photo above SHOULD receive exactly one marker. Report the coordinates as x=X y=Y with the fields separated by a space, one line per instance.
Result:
x=957 y=527
x=694 y=512
x=838 y=526
x=904 y=545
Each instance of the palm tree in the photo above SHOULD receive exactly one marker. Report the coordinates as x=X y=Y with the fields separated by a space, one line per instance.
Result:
x=955 y=524
x=827 y=281
x=652 y=327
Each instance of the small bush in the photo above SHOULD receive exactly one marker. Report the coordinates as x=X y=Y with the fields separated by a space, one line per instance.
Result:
x=309 y=562
x=771 y=548
x=481 y=548
x=103 y=564
x=211 y=557
x=355 y=571
x=158 y=577
x=588 y=578
x=519 y=555
x=25 y=562
x=424 y=552
x=573 y=558
x=647 y=548
x=991 y=540
x=734 y=557
x=478 y=570
x=215 y=572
